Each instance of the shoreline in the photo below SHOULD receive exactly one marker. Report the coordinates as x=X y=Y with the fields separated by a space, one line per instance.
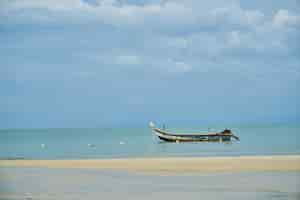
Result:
x=272 y=163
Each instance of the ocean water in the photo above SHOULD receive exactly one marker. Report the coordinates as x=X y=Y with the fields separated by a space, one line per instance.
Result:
x=140 y=142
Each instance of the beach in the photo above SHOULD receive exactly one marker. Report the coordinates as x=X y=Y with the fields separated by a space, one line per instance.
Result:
x=172 y=165
x=247 y=177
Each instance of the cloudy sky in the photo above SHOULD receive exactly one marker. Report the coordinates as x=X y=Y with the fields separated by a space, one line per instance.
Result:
x=102 y=63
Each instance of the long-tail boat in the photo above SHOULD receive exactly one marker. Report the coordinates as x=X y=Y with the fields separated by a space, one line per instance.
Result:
x=223 y=136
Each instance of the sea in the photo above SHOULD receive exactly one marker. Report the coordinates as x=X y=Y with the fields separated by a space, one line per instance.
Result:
x=93 y=143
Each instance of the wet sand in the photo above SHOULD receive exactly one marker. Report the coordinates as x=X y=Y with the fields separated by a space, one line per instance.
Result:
x=172 y=165
x=246 y=177
x=68 y=184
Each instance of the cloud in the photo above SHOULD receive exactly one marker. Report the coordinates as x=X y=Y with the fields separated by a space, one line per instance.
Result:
x=176 y=42
x=234 y=38
x=171 y=65
x=166 y=16
x=185 y=31
x=182 y=67
x=71 y=49
x=283 y=18
x=235 y=16
x=128 y=60
x=52 y=5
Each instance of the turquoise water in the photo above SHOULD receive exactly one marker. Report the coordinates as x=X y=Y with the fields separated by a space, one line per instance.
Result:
x=140 y=142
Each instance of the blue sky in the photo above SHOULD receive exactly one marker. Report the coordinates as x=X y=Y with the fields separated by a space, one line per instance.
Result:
x=102 y=63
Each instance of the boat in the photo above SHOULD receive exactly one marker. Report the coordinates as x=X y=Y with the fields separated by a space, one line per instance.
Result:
x=223 y=136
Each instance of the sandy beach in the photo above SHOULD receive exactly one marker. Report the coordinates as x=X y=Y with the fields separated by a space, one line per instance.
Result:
x=171 y=165
x=246 y=177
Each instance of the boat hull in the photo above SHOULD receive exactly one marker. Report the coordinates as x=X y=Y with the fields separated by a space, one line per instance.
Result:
x=215 y=137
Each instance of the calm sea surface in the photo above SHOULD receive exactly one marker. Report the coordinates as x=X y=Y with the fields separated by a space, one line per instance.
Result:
x=140 y=142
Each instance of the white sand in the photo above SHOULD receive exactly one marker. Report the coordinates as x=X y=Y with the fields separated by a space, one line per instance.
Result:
x=172 y=165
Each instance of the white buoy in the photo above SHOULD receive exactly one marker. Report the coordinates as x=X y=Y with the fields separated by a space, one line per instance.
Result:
x=43 y=146
x=91 y=145
x=121 y=142
x=28 y=196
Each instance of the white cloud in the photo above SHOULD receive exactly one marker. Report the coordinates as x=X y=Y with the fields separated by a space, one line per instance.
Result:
x=234 y=38
x=234 y=15
x=182 y=67
x=53 y=5
x=177 y=42
x=173 y=66
x=187 y=32
x=283 y=18
x=128 y=60
x=108 y=2
x=171 y=15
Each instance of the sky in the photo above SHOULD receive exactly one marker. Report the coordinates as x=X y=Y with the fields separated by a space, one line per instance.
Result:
x=117 y=63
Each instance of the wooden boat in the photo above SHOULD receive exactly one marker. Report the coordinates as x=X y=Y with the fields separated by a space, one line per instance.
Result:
x=223 y=136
